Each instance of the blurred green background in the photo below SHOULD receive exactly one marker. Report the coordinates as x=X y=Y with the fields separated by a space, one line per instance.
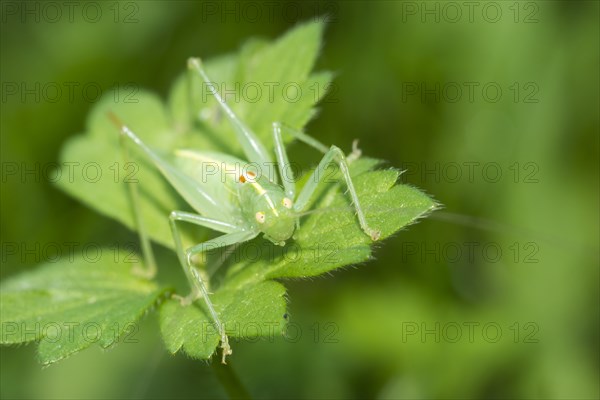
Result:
x=491 y=107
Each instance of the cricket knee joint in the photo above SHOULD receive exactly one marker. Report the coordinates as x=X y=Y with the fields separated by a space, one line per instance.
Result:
x=338 y=154
x=189 y=259
x=336 y=150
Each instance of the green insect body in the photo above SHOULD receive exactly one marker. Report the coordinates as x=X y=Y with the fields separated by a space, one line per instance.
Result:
x=241 y=199
x=252 y=200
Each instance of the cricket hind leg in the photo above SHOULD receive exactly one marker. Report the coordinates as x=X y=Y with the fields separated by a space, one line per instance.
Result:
x=233 y=235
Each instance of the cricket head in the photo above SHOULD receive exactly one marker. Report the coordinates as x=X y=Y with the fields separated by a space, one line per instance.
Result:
x=274 y=216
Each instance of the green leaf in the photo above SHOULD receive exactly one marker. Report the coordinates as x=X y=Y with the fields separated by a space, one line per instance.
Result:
x=248 y=299
x=71 y=304
x=285 y=66
x=244 y=292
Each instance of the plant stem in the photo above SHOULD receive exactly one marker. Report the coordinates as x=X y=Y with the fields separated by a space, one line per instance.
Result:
x=230 y=381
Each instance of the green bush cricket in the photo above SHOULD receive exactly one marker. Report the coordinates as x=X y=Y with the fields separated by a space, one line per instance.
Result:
x=244 y=204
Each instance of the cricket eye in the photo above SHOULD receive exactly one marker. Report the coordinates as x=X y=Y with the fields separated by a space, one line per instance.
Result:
x=287 y=203
x=247 y=176
x=260 y=217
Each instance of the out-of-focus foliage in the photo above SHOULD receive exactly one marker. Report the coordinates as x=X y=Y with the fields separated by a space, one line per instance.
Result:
x=498 y=297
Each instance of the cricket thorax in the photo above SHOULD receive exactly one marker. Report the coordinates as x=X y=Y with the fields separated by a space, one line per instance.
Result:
x=264 y=203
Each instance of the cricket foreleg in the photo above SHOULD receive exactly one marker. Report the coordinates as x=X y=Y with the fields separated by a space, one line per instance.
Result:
x=198 y=287
x=335 y=154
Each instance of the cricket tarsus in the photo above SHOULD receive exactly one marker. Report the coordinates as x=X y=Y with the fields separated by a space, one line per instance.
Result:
x=356 y=152
x=258 y=204
x=225 y=348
